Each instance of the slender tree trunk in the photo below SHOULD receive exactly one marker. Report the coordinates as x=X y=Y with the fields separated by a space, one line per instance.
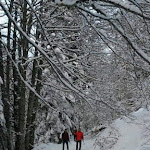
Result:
x=35 y=107
x=22 y=102
x=7 y=106
x=31 y=94
x=16 y=85
x=30 y=103
x=3 y=137
x=17 y=101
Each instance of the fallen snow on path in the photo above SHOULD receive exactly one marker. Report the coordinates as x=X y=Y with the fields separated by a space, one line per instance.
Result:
x=86 y=145
x=126 y=133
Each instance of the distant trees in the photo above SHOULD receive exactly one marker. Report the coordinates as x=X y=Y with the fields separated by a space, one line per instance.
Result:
x=124 y=59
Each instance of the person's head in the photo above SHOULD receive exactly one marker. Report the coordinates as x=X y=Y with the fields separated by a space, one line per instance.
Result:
x=79 y=129
x=65 y=130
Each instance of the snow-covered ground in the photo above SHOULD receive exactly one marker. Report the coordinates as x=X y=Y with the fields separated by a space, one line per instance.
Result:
x=126 y=133
x=87 y=145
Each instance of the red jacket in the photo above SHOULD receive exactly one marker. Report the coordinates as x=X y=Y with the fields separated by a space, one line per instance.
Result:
x=79 y=136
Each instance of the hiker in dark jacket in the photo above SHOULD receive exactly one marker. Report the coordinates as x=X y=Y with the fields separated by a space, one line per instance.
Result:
x=65 y=139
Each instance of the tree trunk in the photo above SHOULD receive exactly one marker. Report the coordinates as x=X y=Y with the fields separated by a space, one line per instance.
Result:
x=30 y=103
x=35 y=107
x=3 y=137
x=33 y=101
x=7 y=90
x=16 y=85
x=22 y=102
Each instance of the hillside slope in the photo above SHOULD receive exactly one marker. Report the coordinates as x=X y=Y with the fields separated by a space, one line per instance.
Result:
x=127 y=133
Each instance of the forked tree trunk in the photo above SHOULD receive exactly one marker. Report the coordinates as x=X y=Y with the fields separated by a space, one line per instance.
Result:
x=32 y=102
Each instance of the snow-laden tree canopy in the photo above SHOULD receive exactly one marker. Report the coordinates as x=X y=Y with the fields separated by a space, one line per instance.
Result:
x=110 y=10
x=86 y=61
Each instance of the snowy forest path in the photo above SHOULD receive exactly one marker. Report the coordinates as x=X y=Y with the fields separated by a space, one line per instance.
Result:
x=86 y=145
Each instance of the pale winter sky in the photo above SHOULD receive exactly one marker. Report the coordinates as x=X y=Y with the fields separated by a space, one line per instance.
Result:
x=3 y=19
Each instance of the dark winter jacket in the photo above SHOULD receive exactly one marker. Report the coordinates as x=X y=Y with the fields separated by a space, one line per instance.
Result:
x=65 y=137
x=74 y=131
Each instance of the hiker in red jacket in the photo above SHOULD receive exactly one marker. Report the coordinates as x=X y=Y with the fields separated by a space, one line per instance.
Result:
x=65 y=139
x=79 y=138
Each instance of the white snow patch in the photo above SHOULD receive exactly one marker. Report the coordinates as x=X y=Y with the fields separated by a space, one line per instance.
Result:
x=1 y=81
x=127 y=5
x=86 y=145
x=127 y=133
x=2 y=120
x=66 y=2
x=72 y=98
x=53 y=34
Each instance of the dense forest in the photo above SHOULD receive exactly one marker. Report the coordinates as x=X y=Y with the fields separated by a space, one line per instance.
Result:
x=70 y=63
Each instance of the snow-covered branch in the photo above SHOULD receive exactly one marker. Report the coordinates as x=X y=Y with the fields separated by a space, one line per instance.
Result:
x=25 y=82
x=141 y=53
x=56 y=69
x=128 y=5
